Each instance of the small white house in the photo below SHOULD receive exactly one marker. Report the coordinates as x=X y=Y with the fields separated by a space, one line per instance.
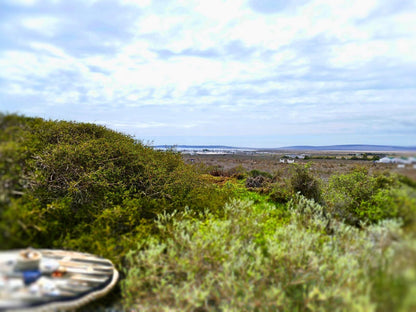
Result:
x=385 y=160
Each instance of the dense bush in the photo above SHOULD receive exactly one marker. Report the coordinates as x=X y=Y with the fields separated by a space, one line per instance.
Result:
x=298 y=179
x=258 y=173
x=303 y=182
x=251 y=259
x=83 y=186
x=280 y=191
x=359 y=197
x=237 y=172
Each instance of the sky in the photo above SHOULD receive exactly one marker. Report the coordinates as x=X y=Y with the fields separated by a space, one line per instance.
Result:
x=252 y=73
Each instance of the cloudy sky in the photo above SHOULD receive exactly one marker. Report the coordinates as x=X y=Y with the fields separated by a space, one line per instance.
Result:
x=259 y=73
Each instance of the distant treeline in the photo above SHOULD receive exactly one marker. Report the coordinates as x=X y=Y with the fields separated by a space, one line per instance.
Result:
x=365 y=156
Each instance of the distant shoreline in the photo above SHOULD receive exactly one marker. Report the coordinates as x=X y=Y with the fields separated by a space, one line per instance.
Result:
x=332 y=148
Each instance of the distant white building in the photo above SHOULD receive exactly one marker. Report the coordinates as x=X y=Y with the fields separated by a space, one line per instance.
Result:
x=397 y=160
x=385 y=160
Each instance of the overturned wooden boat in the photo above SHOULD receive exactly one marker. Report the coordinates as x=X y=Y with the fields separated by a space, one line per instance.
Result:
x=52 y=280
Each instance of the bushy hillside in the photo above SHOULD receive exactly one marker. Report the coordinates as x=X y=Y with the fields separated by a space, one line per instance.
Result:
x=85 y=187
x=288 y=241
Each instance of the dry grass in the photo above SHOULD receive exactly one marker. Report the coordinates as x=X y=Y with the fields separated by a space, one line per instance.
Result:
x=323 y=168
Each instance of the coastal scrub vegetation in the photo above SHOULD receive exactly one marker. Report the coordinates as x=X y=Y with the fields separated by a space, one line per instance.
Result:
x=192 y=238
x=251 y=260
x=83 y=186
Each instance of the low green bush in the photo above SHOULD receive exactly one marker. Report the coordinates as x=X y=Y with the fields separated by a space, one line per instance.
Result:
x=281 y=187
x=280 y=191
x=407 y=181
x=253 y=259
x=303 y=182
x=238 y=172
x=258 y=173
x=359 y=197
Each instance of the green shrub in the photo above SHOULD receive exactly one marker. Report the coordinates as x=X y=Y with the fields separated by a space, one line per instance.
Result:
x=281 y=187
x=238 y=172
x=407 y=181
x=391 y=203
x=83 y=186
x=252 y=259
x=280 y=191
x=359 y=197
x=305 y=183
x=309 y=213
x=258 y=173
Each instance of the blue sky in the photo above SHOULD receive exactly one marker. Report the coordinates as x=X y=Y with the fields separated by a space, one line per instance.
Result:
x=255 y=73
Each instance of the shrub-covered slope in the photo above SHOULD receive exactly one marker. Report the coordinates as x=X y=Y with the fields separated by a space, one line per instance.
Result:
x=300 y=244
x=83 y=186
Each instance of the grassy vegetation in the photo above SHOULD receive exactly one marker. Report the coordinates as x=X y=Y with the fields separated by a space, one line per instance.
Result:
x=196 y=238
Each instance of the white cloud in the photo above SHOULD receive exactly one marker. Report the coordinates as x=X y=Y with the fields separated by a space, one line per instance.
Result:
x=216 y=67
x=44 y=25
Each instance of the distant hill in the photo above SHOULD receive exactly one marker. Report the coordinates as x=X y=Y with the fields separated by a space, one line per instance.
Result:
x=346 y=147
x=353 y=147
